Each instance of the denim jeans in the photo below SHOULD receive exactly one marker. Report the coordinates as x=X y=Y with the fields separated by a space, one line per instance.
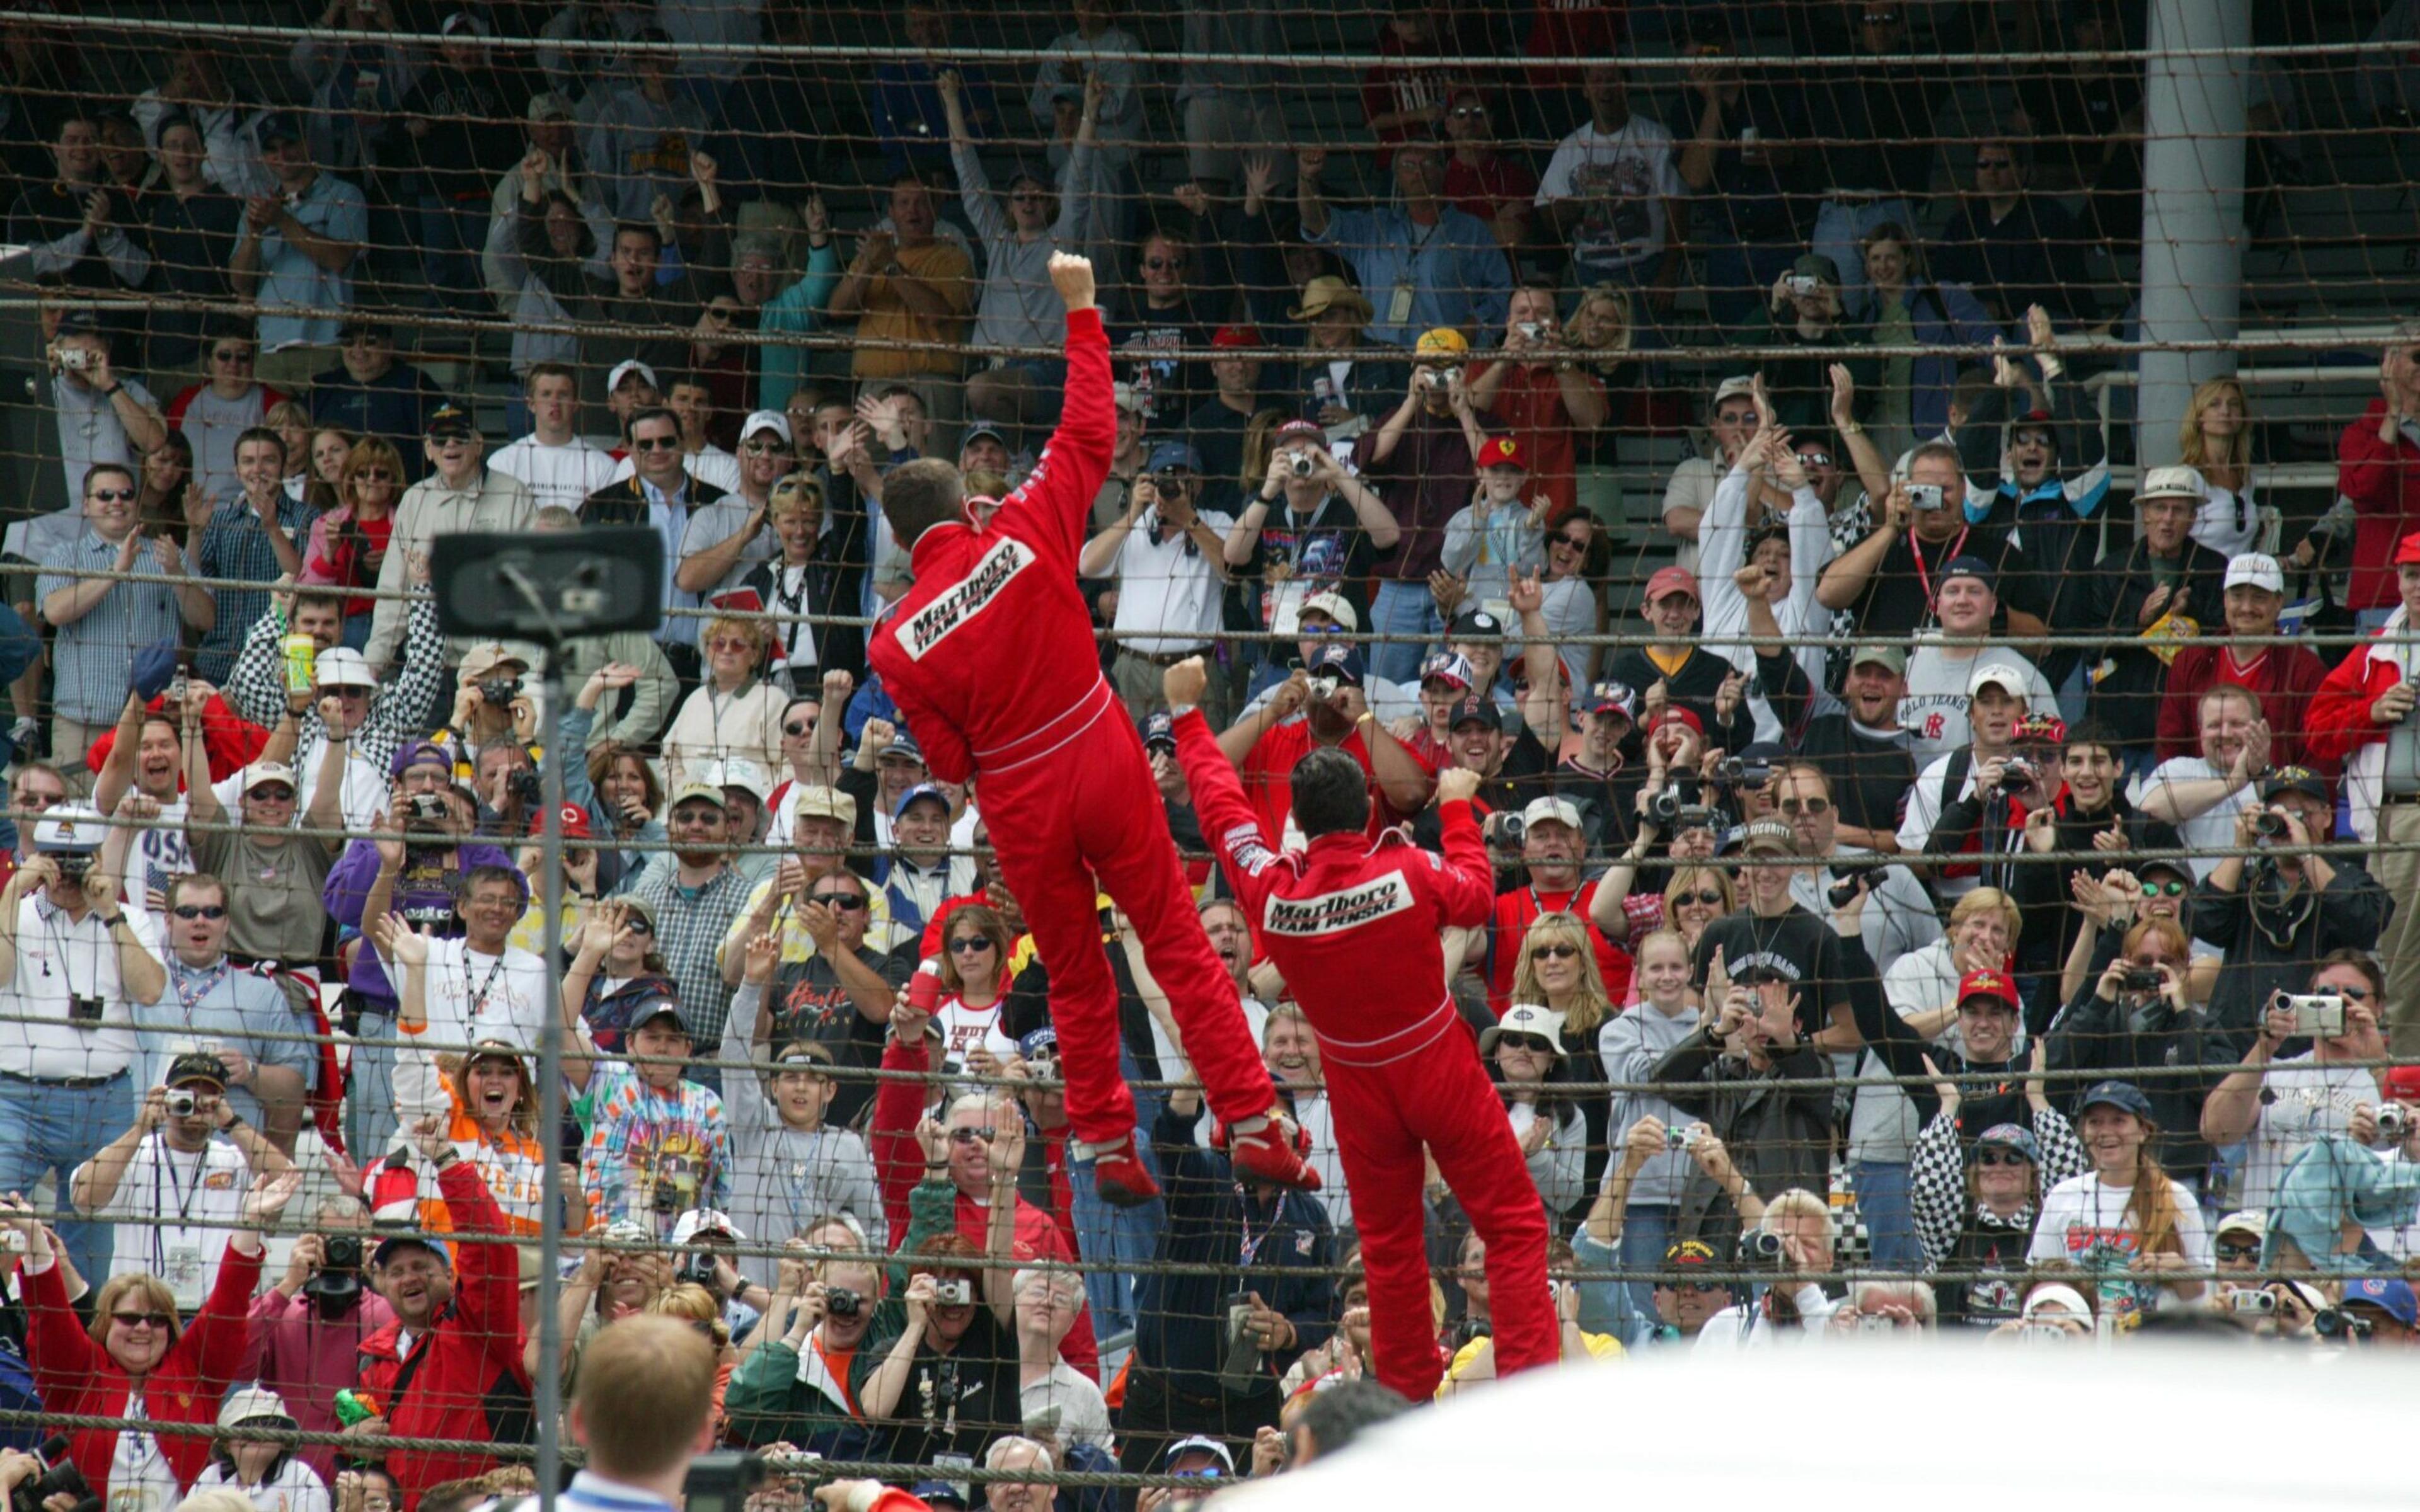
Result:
x=1646 y=1234
x=1105 y=1231
x=1403 y=609
x=1889 y=1217
x=369 y=1094
x=52 y=1129
x=1838 y=228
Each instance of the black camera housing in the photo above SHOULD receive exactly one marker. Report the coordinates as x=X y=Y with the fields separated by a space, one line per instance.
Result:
x=523 y=784
x=59 y=1474
x=1758 y=1247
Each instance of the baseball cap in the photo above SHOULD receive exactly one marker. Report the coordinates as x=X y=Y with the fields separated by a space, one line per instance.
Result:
x=363 y=325
x=1440 y=340
x=741 y=773
x=495 y=1049
x=1173 y=455
x=2124 y=1095
x=462 y=21
x=71 y=826
x=980 y=431
x=1201 y=1442
x=1551 y=811
x=2300 y=779
x=1481 y=709
x=938 y=1493
x=1336 y=660
x=705 y=1221
x=1334 y=605
x=451 y=422
x=482 y=659
x=2249 y=1222
x=342 y=667
x=387 y=1247
x=1475 y=624
x=1880 y=656
x=2407 y=551
x=547 y=105
x=815 y=1050
x=413 y=753
x=902 y=747
x=1238 y=336
x=1665 y=581
x=922 y=790
x=1525 y=1018
x=1448 y=666
x=2402 y=1084
x=1158 y=733
x=2170 y=482
x=1500 y=452
x=2015 y=1136
x=640 y=908
x=1968 y=565
x=1688 y=1252
x=820 y=802
x=1816 y=264
x=195 y=1066
x=1768 y=835
x=1124 y=396
x=1326 y=290
x=1298 y=429
x=2039 y=730
x=2388 y=1295
x=1041 y=1042
x=2255 y=569
x=259 y=773
x=657 y=1008
x=1985 y=982
x=277 y=125
x=1614 y=698
x=772 y=420
x=697 y=791
x=1675 y=714
x=1997 y=674
x=627 y=366
x=1738 y=386
x=575 y=823
x=2040 y=420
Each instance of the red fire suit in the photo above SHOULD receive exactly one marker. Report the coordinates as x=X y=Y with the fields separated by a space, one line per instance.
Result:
x=991 y=660
x=1353 y=926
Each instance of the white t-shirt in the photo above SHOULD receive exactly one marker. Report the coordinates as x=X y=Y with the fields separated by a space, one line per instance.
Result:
x=965 y=1030
x=714 y=465
x=57 y=963
x=2083 y=1223
x=1626 y=175
x=295 y=1487
x=140 y=1478
x=2300 y=1099
x=2214 y=827
x=1933 y=712
x=1168 y=592
x=2226 y=521
x=168 y=1203
x=564 y=474
x=477 y=997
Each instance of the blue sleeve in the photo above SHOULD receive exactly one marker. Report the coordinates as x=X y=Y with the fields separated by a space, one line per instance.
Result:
x=571 y=733
x=20 y=647
x=349 y=216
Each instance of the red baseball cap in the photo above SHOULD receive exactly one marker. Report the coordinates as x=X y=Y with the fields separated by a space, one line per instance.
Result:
x=1500 y=452
x=1674 y=714
x=2407 y=551
x=1238 y=336
x=575 y=823
x=1988 y=983
x=2402 y=1084
x=1669 y=580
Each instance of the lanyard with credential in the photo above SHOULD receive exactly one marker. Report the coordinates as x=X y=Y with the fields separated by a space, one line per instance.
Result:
x=1923 y=577
x=167 y=1159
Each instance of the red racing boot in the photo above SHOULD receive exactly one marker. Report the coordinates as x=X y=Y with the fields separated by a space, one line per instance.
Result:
x=1273 y=1153
x=1119 y=1176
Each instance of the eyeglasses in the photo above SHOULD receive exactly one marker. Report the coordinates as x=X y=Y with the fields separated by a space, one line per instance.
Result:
x=2357 y=995
x=638 y=926
x=697 y=816
x=1467 y=112
x=1559 y=952
x=1794 y=807
x=799 y=729
x=1577 y=543
x=1707 y=896
x=1526 y=1042
x=761 y=448
x=1165 y=265
x=375 y=475
x=1815 y=459
x=969 y=945
x=115 y=496
x=982 y=1134
x=850 y=902
x=2224 y=1251
x=142 y=1320
x=1735 y=417
x=271 y=794
x=1699 y=1288
x=655 y=444
x=730 y=643
x=200 y=911
x=2164 y=889
x=2000 y=1157
x=232 y=357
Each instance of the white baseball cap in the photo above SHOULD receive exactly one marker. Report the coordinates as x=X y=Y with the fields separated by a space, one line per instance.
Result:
x=739 y=772
x=1335 y=606
x=2170 y=482
x=772 y=420
x=342 y=667
x=2256 y=569
x=625 y=368
x=1525 y=1018
x=2008 y=679
x=1550 y=811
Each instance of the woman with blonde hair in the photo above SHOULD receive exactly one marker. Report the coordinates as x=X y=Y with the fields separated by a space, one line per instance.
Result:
x=347 y=544
x=695 y=1306
x=1695 y=897
x=1558 y=970
x=734 y=712
x=2215 y=440
x=292 y=423
x=2125 y=1219
x=1260 y=439
x=797 y=583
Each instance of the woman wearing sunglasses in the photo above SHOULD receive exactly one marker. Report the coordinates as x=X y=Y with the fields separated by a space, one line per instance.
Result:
x=616 y=966
x=136 y=1357
x=2113 y=902
x=1558 y=968
x=348 y=546
x=974 y=980
x=1524 y=1052
x=1975 y=1217
x=735 y=713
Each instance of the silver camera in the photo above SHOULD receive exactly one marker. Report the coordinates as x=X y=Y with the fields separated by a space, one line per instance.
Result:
x=1324 y=688
x=1530 y=330
x=954 y=1293
x=2394 y=1123
x=2259 y=1303
x=1439 y=378
x=76 y=358
x=1926 y=496
x=181 y=1102
x=1302 y=464
x=1680 y=1138
x=2321 y=1015
x=1801 y=285
x=1869 y=1323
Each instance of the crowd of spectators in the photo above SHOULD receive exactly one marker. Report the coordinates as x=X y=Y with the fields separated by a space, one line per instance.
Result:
x=1942 y=863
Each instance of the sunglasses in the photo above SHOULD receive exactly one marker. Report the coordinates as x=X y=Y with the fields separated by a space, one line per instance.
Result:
x=2164 y=889
x=655 y=444
x=730 y=643
x=1577 y=543
x=1699 y=1288
x=272 y=794
x=761 y=448
x=142 y=1320
x=374 y=475
x=200 y=911
x=230 y=357
x=1526 y=1041
x=968 y=946
x=971 y=1136
x=1707 y=896
x=115 y=496
x=2000 y=1157
x=1794 y=807
x=850 y=902
x=697 y=816
x=2237 y=1251
x=799 y=729
x=1559 y=952
x=1163 y=265
x=1815 y=459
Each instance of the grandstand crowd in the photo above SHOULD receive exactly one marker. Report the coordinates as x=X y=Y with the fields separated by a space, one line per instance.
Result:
x=1929 y=848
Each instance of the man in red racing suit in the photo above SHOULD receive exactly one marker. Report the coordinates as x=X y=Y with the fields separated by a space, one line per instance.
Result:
x=1354 y=928
x=991 y=659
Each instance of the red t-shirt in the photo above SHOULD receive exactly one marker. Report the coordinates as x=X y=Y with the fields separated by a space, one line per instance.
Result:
x=1516 y=910
x=1268 y=773
x=1531 y=406
x=1489 y=188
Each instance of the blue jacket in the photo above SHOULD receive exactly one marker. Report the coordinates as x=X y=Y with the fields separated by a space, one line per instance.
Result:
x=1942 y=314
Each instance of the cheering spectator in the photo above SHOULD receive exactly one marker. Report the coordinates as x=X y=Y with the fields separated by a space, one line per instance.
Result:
x=558 y=464
x=638 y=138
x=1976 y=1201
x=1481 y=179
x=305 y=1332
x=370 y=393
x=1423 y=459
x=1613 y=190
x=101 y=622
x=2280 y=910
x=905 y=286
x=1907 y=308
x=2203 y=795
x=1887 y=579
x=1167 y=558
x=1774 y=1136
x=2141 y=1016
x=1544 y=398
x=2378 y=468
x=254 y=537
x=213 y=414
x=794 y=1388
x=2277 y=1105
x=102 y=418
x=1732 y=424
x=1523 y=1051
x=693 y=905
x=659 y=1144
x=1940 y=673
x=1345 y=394
x=193 y=224
x=2161 y=591
x=1324 y=539
x=1740 y=163
x=74 y=227
x=296 y=248
x=2124 y=1221
x=1799 y=1223
x=1443 y=265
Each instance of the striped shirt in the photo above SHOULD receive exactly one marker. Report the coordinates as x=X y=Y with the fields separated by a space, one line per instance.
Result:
x=235 y=545
x=92 y=660
x=689 y=923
